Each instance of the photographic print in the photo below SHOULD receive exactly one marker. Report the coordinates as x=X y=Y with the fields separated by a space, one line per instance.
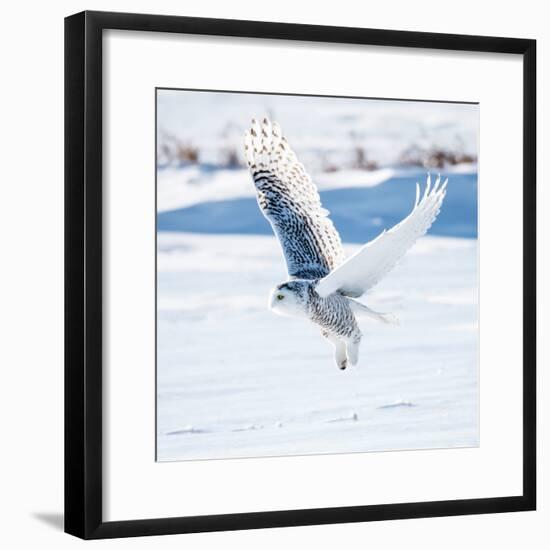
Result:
x=317 y=275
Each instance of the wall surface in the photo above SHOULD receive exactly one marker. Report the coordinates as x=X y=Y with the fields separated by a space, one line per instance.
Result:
x=31 y=289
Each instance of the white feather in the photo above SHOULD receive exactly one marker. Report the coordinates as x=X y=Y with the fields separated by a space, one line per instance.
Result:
x=374 y=260
x=281 y=179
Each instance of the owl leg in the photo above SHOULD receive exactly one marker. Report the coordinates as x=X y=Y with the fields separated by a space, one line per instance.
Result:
x=352 y=350
x=339 y=350
x=340 y=354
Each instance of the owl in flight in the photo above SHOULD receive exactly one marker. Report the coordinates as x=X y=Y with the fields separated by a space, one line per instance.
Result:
x=322 y=285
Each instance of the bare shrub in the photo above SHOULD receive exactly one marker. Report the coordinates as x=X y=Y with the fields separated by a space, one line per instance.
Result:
x=360 y=159
x=327 y=165
x=172 y=150
x=186 y=153
x=433 y=157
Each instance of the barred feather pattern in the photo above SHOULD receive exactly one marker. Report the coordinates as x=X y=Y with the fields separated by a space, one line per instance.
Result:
x=335 y=316
x=290 y=201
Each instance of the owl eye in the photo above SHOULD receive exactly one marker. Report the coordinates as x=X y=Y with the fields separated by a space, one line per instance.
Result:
x=280 y=296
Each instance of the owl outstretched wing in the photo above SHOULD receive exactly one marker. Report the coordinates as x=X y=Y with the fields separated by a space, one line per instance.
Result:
x=374 y=260
x=290 y=201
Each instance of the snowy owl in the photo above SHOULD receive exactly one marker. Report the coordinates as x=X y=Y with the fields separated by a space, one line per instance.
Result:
x=322 y=285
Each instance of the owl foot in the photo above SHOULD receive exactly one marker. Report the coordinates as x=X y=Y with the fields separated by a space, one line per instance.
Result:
x=340 y=357
x=352 y=352
x=340 y=354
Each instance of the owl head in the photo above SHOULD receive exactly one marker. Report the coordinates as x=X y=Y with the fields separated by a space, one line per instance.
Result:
x=290 y=298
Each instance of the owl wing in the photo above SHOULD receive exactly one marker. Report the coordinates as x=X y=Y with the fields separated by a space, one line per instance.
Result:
x=374 y=260
x=290 y=201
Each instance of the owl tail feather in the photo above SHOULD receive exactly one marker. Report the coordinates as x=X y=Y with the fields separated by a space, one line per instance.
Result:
x=361 y=310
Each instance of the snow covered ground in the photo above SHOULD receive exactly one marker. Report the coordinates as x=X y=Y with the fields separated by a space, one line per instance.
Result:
x=235 y=380
x=195 y=184
x=361 y=204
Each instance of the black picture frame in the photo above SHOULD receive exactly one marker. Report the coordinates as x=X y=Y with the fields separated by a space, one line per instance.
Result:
x=83 y=273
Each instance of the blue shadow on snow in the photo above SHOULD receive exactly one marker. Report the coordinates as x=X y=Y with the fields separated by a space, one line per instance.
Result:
x=359 y=214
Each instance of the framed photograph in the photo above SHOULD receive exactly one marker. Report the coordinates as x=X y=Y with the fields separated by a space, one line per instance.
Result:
x=300 y=275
